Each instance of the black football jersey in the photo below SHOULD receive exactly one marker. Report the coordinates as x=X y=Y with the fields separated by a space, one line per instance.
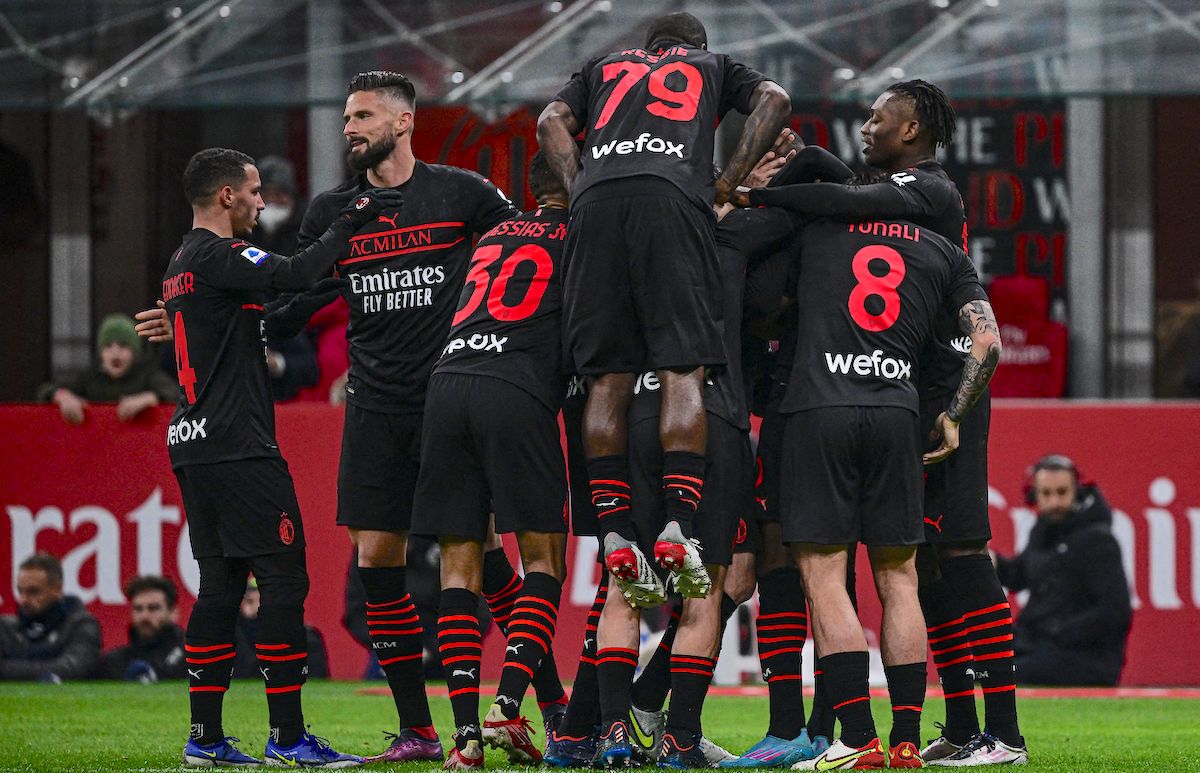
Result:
x=655 y=113
x=509 y=319
x=406 y=271
x=214 y=289
x=867 y=296
x=740 y=235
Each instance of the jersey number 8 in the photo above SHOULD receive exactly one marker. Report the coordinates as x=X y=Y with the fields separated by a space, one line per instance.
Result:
x=882 y=286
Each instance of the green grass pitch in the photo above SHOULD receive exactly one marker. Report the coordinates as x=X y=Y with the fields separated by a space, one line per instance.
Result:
x=104 y=726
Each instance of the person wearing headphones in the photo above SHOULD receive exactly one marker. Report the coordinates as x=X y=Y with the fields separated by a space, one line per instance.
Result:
x=1073 y=629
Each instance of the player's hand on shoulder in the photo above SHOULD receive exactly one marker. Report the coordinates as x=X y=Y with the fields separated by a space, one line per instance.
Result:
x=370 y=203
x=153 y=325
x=947 y=430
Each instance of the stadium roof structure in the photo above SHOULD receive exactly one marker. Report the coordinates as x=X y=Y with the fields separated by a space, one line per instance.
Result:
x=121 y=55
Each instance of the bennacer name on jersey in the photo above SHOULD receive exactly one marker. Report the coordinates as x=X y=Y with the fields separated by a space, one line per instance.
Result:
x=391 y=289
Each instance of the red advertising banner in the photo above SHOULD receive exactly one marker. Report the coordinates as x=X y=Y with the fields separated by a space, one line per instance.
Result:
x=102 y=497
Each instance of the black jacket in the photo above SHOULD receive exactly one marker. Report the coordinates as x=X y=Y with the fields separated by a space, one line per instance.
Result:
x=61 y=644
x=159 y=657
x=1078 y=595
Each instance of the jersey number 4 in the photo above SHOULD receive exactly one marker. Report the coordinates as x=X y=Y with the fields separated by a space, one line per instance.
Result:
x=672 y=104
x=187 y=374
x=884 y=287
x=482 y=284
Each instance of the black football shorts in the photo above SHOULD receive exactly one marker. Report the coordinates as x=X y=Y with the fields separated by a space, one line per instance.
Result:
x=377 y=474
x=852 y=474
x=728 y=488
x=956 y=490
x=489 y=446
x=767 y=460
x=241 y=509
x=642 y=285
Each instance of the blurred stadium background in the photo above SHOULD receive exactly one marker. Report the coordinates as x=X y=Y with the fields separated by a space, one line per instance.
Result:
x=1077 y=156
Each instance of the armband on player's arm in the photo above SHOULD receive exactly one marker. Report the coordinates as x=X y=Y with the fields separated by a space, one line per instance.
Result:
x=556 y=130
x=315 y=262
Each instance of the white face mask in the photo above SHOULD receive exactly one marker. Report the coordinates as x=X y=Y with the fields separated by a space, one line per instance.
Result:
x=273 y=216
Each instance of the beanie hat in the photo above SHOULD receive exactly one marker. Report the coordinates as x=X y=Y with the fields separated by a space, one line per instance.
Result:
x=118 y=328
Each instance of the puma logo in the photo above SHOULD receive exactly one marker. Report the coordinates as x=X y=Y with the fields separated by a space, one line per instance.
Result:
x=195 y=674
x=935 y=524
x=469 y=674
x=264 y=671
x=514 y=648
x=389 y=220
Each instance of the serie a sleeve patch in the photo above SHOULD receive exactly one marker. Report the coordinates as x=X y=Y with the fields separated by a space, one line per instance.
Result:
x=255 y=255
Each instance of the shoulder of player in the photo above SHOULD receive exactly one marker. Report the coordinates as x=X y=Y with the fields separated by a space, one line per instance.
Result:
x=335 y=198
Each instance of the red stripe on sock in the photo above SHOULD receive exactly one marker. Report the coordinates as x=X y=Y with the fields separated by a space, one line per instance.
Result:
x=207 y=689
x=785 y=678
x=405 y=599
x=452 y=644
x=995 y=655
x=448 y=618
x=277 y=658
x=190 y=648
x=202 y=661
x=985 y=610
x=781 y=651
x=962 y=694
x=463 y=691
x=271 y=646
x=852 y=700
x=521 y=666
x=906 y=708
x=774 y=615
x=277 y=690
x=1001 y=688
x=675 y=670
x=400 y=658
x=455 y=659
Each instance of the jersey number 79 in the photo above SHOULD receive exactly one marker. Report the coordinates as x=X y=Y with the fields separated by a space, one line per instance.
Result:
x=670 y=103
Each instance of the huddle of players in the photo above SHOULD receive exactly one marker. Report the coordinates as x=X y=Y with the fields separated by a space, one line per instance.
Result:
x=647 y=308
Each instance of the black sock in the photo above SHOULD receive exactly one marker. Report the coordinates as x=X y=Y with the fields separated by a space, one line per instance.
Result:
x=849 y=697
x=690 y=677
x=209 y=667
x=583 y=710
x=683 y=487
x=609 y=481
x=651 y=687
x=987 y=620
x=952 y=657
x=821 y=720
x=614 y=672
x=906 y=688
x=396 y=637
x=460 y=643
x=782 y=627
x=530 y=639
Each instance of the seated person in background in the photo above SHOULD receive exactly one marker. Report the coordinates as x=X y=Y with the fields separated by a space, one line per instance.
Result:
x=52 y=638
x=155 y=649
x=1073 y=629
x=122 y=376
x=245 y=666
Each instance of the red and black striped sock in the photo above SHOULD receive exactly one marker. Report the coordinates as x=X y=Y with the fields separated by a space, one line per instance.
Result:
x=952 y=656
x=614 y=672
x=583 y=710
x=987 y=620
x=284 y=667
x=530 y=639
x=849 y=697
x=609 y=482
x=209 y=667
x=396 y=637
x=501 y=587
x=906 y=688
x=651 y=686
x=460 y=644
x=690 y=677
x=782 y=627
x=682 y=487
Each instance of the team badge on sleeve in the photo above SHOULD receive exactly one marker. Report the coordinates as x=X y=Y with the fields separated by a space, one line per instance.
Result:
x=255 y=255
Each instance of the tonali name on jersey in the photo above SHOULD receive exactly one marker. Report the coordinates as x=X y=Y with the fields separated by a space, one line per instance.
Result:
x=654 y=113
x=509 y=318
x=405 y=272
x=867 y=298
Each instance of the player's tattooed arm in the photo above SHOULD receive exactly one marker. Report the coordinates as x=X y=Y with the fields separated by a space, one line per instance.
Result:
x=556 y=130
x=977 y=320
x=770 y=108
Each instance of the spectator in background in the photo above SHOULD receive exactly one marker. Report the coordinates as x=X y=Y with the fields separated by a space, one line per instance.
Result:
x=291 y=364
x=278 y=226
x=155 y=649
x=1073 y=629
x=52 y=638
x=245 y=666
x=121 y=376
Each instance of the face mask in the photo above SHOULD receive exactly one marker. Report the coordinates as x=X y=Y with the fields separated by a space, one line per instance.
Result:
x=273 y=216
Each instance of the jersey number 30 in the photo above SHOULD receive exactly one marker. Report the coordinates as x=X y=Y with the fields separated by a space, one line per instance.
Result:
x=881 y=286
x=480 y=279
x=187 y=374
